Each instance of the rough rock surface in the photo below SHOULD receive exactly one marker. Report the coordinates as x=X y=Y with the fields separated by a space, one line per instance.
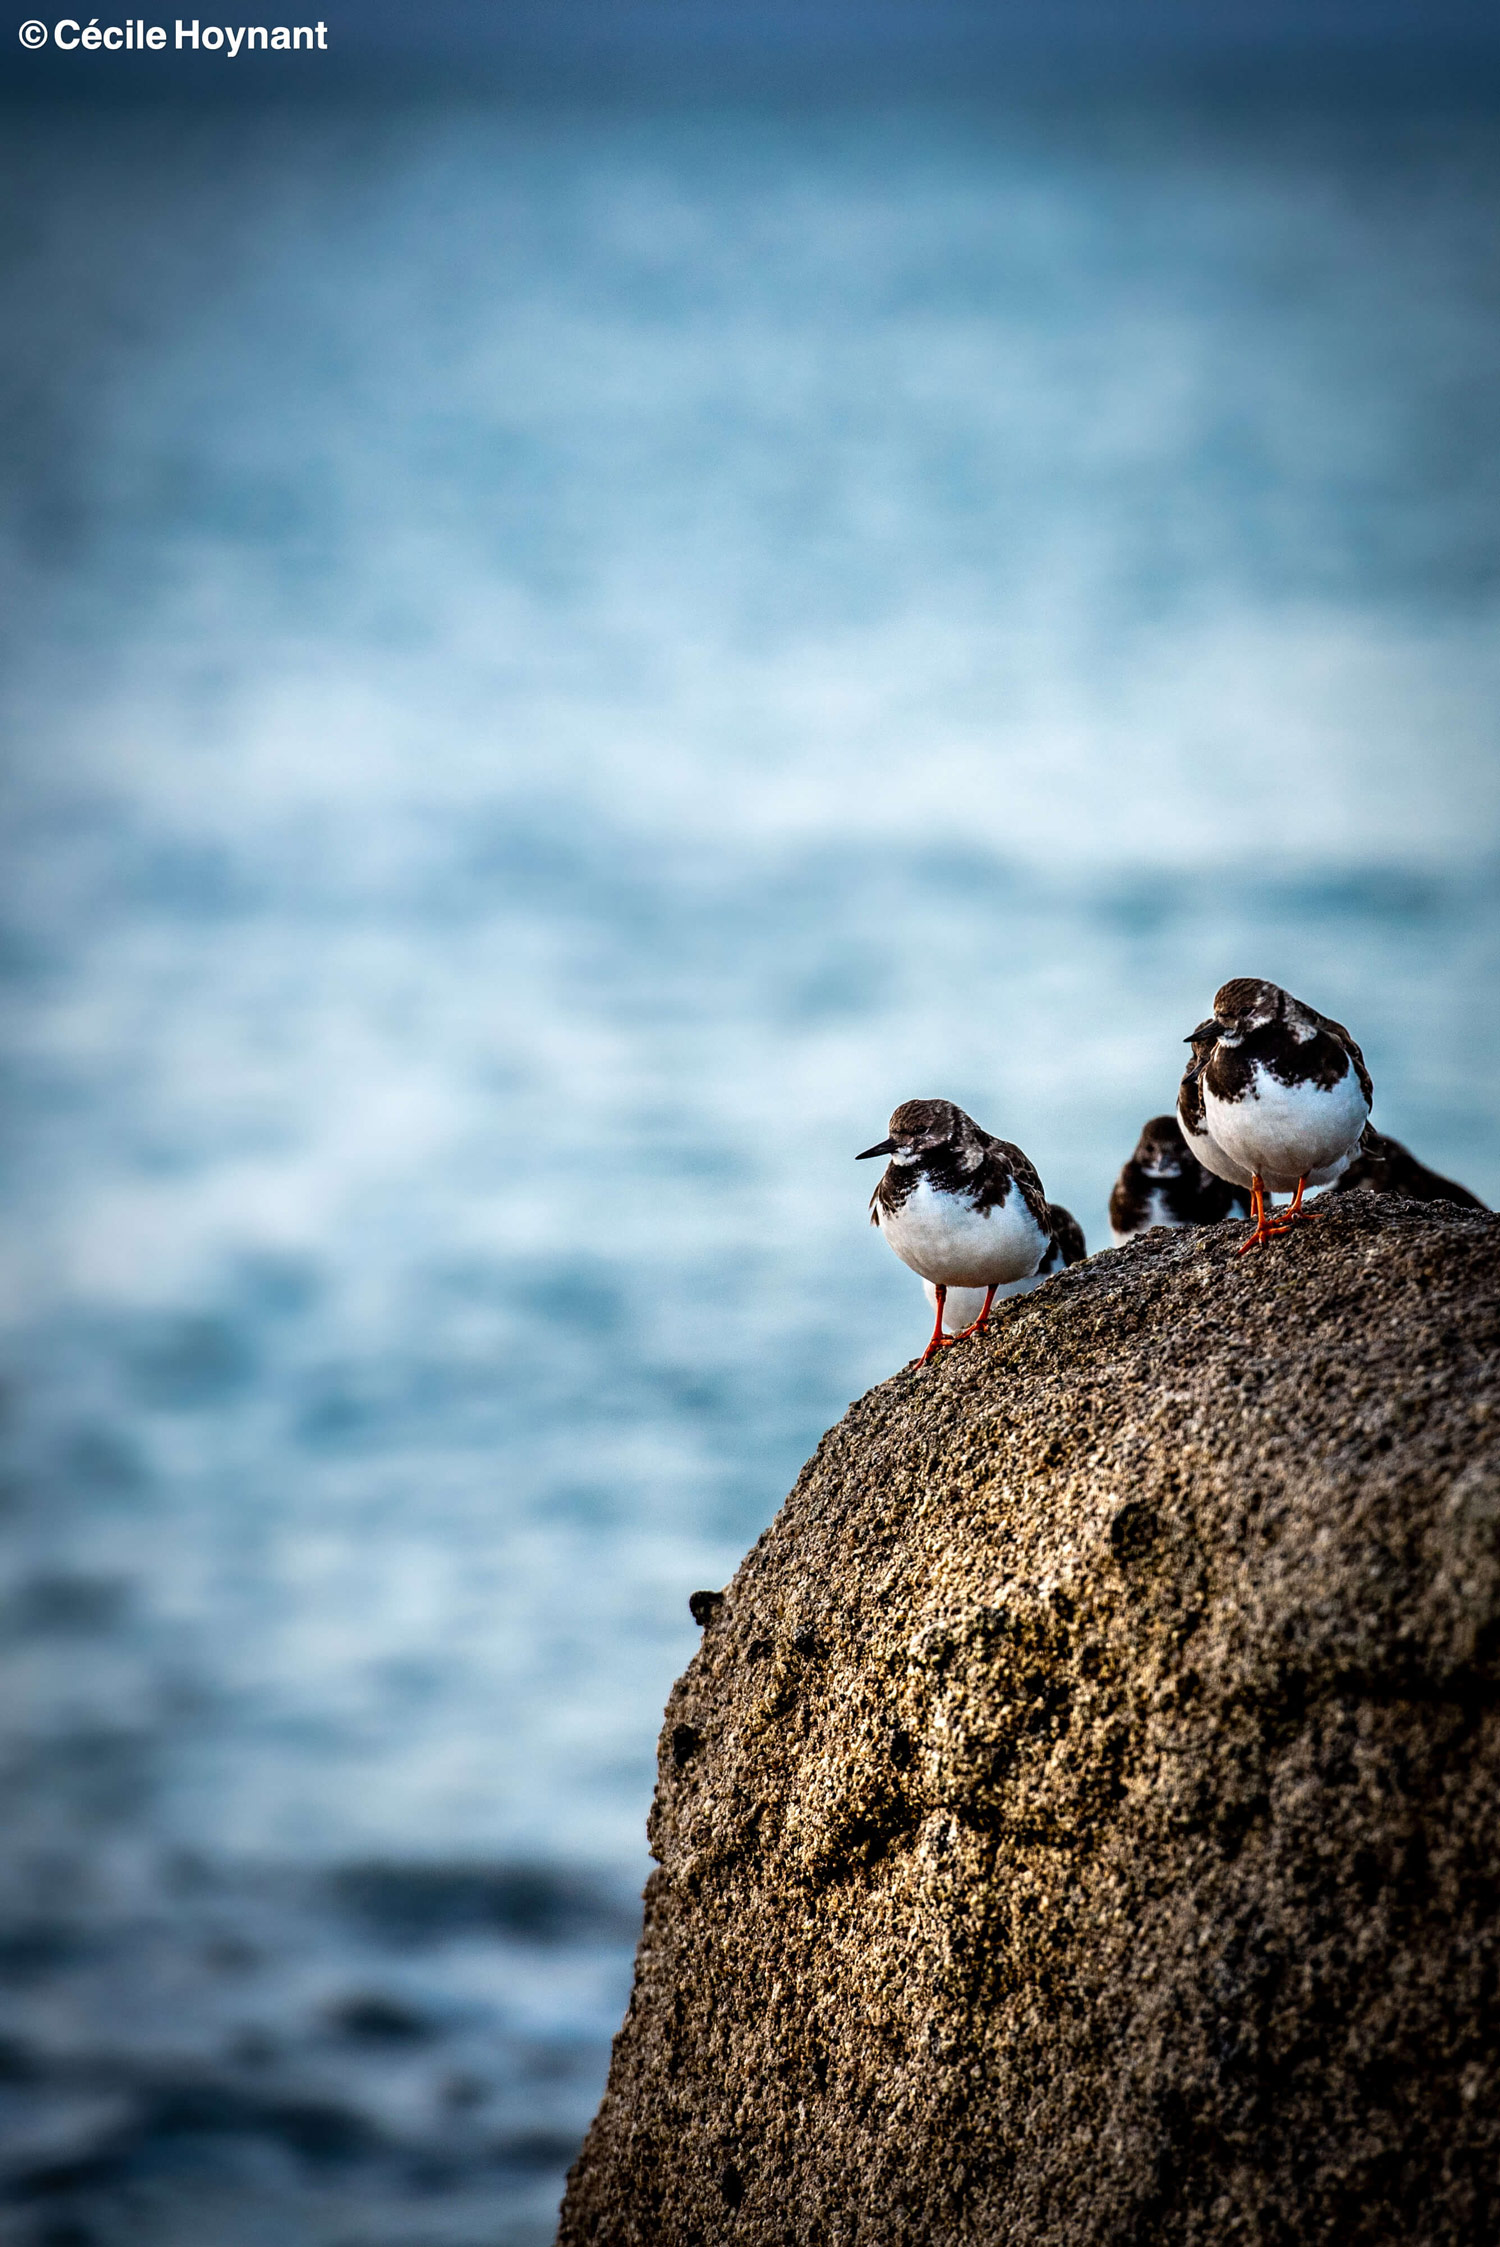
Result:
x=1082 y=1820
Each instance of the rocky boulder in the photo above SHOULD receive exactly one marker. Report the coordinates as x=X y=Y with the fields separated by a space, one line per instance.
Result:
x=1081 y=1822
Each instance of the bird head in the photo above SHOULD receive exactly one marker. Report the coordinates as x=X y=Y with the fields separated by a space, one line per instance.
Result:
x=918 y=1126
x=1161 y=1151
x=1246 y=1005
x=1202 y=1040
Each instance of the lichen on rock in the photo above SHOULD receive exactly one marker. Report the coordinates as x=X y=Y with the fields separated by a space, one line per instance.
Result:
x=1081 y=1822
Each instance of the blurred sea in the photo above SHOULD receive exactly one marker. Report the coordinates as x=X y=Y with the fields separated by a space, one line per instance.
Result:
x=560 y=662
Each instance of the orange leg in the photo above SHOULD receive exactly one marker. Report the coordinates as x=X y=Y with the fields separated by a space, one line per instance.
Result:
x=1260 y=1212
x=1297 y=1215
x=940 y=1340
x=983 y=1319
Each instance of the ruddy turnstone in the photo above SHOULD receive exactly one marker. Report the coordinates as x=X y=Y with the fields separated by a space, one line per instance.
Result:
x=1386 y=1167
x=1165 y=1184
x=961 y=1208
x=965 y=1304
x=1275 y=1098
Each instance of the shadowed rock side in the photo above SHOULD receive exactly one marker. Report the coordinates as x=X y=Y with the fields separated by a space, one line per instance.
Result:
x=1082 y=1820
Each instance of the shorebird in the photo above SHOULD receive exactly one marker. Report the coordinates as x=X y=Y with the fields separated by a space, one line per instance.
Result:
x=1165 y=1184
x=1275 y=1098
x=1386 y=1167
x=966 y=1304
x=961 y=1208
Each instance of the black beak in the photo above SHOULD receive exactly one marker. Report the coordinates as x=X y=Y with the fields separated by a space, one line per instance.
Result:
x=1208 y=1029
x=886 y=1147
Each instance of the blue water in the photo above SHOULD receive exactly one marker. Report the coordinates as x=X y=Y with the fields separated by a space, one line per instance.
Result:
x=559 y=664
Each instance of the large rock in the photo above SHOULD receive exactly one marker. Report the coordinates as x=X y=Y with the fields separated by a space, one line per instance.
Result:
x=1082 y=1820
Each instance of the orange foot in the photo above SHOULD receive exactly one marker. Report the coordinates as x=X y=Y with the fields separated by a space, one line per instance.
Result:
x=1260 y=1212
x=1262 y=1232
x=940 y=1340
x=1297 y=1215
x=978 y=1326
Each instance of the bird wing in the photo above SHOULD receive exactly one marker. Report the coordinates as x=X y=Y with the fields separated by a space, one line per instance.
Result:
x=1023 y=1171
x=1067 y=1234
x=891 y=1190
x=1190 y=1101
x=1337 y=1030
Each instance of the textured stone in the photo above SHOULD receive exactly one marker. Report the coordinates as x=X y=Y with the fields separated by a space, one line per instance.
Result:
x=1081 y=1822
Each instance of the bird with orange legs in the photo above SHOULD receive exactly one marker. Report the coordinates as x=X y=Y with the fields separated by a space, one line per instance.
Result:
x=959 y=1207
x=1275 y=1099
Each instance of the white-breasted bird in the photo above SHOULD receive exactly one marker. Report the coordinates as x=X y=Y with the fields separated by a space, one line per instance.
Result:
x=1165 y=1184
x=1275 y=1098
x=960 y=1207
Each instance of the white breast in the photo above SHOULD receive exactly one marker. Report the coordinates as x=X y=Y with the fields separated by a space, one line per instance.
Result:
x=1213 y=1156
x=1156 y=1213
x=946 y=1241
x=1287 y=1132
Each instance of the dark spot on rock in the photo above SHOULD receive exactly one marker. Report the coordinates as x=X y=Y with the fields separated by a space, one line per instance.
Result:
x=703 y=1606
x=1368 y=1877
x=1237 y=1819
x=758 y=1649
x=731 y=2185
x=1413 y=1875
x=806 y=1645
x=685 y=1744
x=902 y=1749
x=1133 y=1532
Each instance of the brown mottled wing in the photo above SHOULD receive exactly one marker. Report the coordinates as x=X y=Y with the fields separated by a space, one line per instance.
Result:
x=1067 y=1235
x=1025 y=1177
x=1337 y=1030
x=891 y=1189
x=1190 y=1099
x=1386 y=1167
